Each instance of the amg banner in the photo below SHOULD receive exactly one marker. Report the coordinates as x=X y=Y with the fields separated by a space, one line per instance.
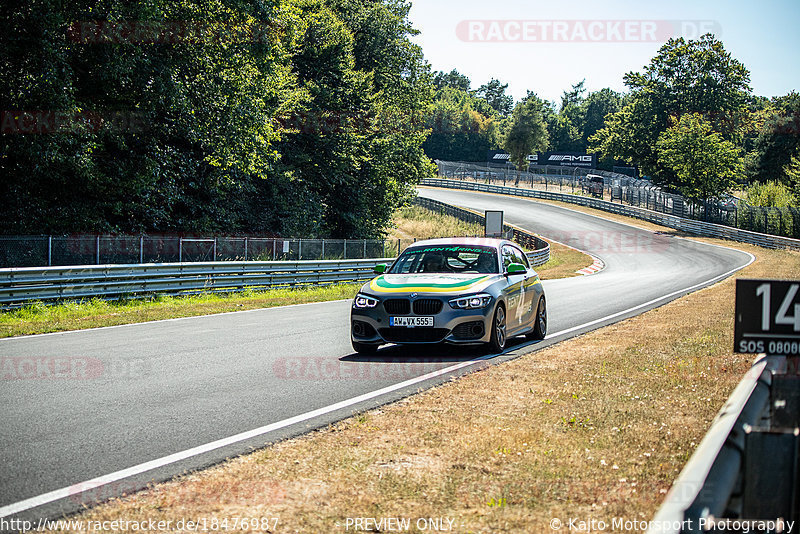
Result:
x=497 y=156
x=501 y=156
x=568 y=159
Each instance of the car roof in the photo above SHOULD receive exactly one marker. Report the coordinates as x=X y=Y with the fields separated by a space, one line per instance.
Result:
x=484 y=241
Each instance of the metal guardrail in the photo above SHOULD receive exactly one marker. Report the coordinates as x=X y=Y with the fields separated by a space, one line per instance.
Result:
x=24 y=284
x=671 y=221
x=20 y=285
x=726 y=483
x=539 y=257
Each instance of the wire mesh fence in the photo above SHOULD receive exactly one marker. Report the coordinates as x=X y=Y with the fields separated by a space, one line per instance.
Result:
x=727 y=210
x=39 y=251
x=36 y=251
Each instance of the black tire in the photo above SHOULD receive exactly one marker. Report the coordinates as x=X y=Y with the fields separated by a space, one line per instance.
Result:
x=365 y=348
x=498 y=339
x=539 y=321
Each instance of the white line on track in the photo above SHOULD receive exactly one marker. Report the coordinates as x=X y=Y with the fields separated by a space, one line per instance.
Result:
x=72 y=490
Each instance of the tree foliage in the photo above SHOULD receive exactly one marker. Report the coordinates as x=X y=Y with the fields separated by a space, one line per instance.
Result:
x=792 y=172
x=771 y=194
x=685 y=77
x=703 y=162
x=527 y=132
x=463 y=127
x=494 y=93
x=310 y=125
x=453 y=79
x=579 y=116
x=778 y=138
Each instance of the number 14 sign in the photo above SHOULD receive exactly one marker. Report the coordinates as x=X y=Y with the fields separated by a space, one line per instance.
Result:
x=767 y=317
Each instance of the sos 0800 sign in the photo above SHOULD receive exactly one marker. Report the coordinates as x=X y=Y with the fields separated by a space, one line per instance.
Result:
x=767 y=317
x=787 y=348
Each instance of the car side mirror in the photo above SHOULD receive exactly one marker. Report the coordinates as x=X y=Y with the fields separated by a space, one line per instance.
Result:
x=380 y=268
x=516 y=268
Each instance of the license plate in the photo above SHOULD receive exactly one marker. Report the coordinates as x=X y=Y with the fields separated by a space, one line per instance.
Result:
x=411 y=321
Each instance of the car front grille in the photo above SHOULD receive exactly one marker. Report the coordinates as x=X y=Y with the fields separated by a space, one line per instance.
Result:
x=397 y=306
x=401 y=334
x=427 y=306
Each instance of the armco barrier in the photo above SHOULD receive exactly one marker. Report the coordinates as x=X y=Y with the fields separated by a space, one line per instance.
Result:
x=714 y=484
x=685 y=225
x=20 y=285
x=24 y=284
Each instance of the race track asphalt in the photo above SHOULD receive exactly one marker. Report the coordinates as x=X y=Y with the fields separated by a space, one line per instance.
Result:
x=135 y=394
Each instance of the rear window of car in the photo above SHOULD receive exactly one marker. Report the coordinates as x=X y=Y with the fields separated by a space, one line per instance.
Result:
x=447 y=259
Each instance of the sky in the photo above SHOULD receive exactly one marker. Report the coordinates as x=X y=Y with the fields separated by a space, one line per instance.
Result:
x=547 y=46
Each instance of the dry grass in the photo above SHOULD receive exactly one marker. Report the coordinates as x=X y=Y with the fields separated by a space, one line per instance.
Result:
x=417 y=222
x=595 y=427
x=564 y=261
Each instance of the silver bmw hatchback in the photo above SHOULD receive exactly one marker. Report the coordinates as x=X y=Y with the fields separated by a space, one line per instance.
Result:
x=455 y=290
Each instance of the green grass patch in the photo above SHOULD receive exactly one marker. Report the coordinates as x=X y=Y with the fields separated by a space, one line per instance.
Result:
x=39 y=318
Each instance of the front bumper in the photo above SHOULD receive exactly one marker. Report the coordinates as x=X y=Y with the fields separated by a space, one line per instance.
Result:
x=371 y=325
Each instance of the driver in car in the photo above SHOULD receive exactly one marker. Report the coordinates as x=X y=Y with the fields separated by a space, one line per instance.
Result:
x=433 y=263
x=485 y=264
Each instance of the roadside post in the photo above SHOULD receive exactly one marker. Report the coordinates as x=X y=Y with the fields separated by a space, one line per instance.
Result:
x=493 y=223
x=768 y=322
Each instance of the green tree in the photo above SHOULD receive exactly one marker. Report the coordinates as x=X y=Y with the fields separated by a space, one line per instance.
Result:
x=463 y=127
x=792 y=172
x=453 y=79
x=494 y=92
x=695 y=76
x=579 y=117
x=563 y=133
x=527 y=132
x=704 y=163
x=777 y=140
x=311 y=124
x=772 y=194
x=574 y=97
x=196 y=126
x=360 y=155
x=596 y=107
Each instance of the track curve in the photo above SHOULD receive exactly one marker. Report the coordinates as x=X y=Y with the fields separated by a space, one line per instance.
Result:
x=157 y=394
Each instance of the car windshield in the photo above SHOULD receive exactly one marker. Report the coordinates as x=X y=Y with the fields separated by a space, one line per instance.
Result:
x=447 y=259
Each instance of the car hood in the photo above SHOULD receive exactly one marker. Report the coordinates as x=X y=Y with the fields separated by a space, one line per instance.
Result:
x=431 y=283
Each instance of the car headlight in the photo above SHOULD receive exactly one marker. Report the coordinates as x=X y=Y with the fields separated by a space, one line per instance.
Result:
x=364 y=301
x=471 y=302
